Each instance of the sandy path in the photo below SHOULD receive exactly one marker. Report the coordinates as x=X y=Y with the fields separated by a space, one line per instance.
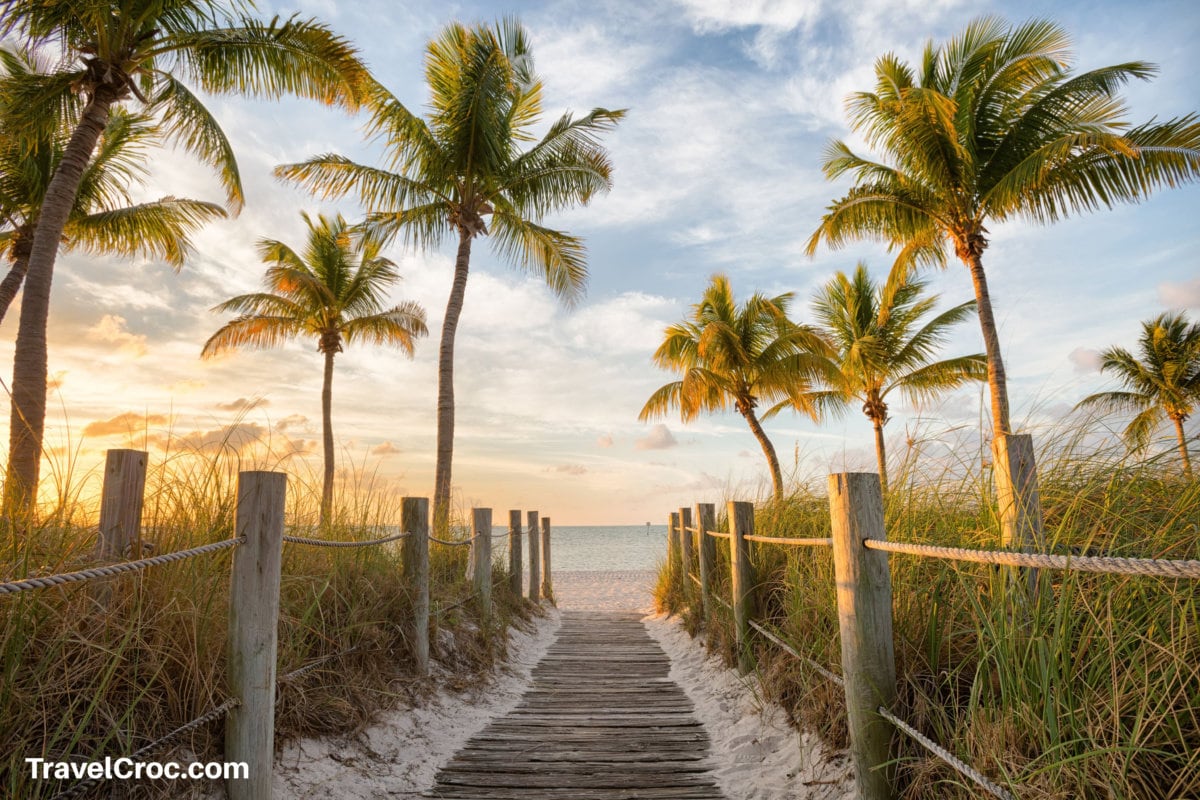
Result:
x=756 y=756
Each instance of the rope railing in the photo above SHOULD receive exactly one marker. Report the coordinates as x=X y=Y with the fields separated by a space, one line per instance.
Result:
x=960 y=766
x=307 y=668
x=336 y=543
x=110 y=570
x=1104 y=564
x=792 y=652
x=791 y=542
x=220 y=711
x=452 y=542
x=459 y=604
x=718 y=534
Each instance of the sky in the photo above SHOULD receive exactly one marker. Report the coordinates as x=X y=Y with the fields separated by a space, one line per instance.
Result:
x=716 y=169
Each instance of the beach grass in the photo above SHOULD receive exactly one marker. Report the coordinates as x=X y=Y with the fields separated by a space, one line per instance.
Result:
x=97 y=669
x=1090 y=691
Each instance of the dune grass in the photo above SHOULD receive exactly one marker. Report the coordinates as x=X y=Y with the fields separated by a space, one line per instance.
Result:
x=102 y=668
x=1091 y=691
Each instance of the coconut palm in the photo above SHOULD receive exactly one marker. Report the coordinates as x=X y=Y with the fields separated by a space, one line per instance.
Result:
x=992 y=126
x=446 y=173
x=148 y=50
x=321 y=292
x=1164 y=381
x=104 y=218
x=739 y=356
x=884 y=341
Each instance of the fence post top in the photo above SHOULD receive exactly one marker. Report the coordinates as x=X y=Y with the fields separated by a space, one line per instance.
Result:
x=838 y=479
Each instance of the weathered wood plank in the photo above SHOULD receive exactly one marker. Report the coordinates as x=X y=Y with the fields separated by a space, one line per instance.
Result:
x=601 y=721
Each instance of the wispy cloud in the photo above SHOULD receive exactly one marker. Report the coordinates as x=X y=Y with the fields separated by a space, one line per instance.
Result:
x=659 y=438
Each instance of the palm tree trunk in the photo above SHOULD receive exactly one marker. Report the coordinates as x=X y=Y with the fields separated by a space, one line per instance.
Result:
x=1183 y=450
x=997 y=380
x=768 y=450
x=16 y=275
x=880 y=454
x=445 y=400
x=28 y=418
x=327 y=435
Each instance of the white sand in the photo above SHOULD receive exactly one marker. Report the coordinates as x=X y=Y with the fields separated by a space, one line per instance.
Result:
x=398 y=756
x=756 y=756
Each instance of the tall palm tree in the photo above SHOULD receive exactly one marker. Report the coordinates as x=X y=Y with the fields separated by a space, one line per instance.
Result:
x=148 y=50
x=885 y=342
x=1165 y=381
x=739 y=356
x=321 y=292
x=103 y=217
x=992 y=126
x=446 y=173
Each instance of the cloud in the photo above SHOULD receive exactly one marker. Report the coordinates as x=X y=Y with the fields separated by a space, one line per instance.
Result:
x=659 y=438
x=123 y=424
x=1185 y=294
x=604 y=441
x=111 y=330
x=1085 y=359
x=291 y=421
x=569 y=469
x=55 y=381
x=719 y=15
x=385 y=449
x=239 y=436
x=244 y=404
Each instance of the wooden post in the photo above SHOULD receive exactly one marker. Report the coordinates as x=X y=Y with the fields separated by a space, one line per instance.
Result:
x=253 y=631
x=673 y=557
x=547 y=583
x=685 y=548
x=864 y=598
x=414 y=520
x=514 y=552
x=741 y=525
x=706 y=520
x=121 y=504
x=481 y=557
x=1020 y=505
x=535 y=559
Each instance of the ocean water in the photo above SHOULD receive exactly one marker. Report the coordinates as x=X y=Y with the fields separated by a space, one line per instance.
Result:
x=604 y=548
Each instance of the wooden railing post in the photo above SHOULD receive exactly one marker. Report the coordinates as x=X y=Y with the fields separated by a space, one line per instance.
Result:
x=864 y=599
x=547 y=583
x=121 y=503
x=685 y=548
x=414 y=520
x=1018 y=500
x=535 y=559
x=706 y=520
x=253 y=631
x=481 y=557
x=514 y=552
x=741 y=525
x=673 y=556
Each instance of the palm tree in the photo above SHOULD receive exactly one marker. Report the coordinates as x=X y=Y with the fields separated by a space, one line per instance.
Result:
x=993 y=126
x=321 y=292
x=446 y=173
x=103 y=218
x=884 y=343
x=740 y=356
x=148 y=50
x=1165 y=381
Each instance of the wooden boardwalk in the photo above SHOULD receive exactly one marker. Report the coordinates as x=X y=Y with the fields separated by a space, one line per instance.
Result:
x=601 y=721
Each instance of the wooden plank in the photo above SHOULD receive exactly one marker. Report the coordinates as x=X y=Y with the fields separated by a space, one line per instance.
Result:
x=601 y=721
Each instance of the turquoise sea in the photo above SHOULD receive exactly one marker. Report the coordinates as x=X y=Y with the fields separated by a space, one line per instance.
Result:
x=605 y=548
